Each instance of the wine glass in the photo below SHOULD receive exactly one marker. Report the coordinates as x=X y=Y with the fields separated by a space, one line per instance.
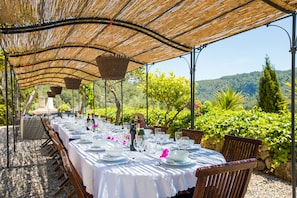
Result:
x=177 y=136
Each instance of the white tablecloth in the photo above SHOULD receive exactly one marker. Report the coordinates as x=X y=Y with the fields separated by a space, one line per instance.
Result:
x=65 y=133
x=141 y=176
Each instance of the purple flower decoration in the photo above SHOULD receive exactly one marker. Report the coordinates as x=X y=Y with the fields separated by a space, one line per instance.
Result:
x=164 y=153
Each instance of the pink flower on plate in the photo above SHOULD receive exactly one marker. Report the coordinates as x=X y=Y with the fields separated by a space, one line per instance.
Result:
x=95 y=125
x=164 y=153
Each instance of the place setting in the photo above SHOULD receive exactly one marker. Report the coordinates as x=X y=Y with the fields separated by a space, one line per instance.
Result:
x=85 y=139
x=185 y=143
x=97 y=145
x=178 y=158
x=114 y=154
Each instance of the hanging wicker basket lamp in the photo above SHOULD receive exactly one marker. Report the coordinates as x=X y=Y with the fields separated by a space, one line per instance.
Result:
x=51 y=94
x=56 y=90
x=112 y=66
x=72 y=83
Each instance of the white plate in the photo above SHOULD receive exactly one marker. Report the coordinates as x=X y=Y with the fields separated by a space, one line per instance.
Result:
x=179 y=163
x=77 y=133
x=195 y=147
x=95 y=149
x=108 y=158
x=82 y=141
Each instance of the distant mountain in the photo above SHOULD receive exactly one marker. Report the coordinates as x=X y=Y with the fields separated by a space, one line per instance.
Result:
x=246 y=83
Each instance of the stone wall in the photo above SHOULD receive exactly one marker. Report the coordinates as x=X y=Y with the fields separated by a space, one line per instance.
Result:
x=264 y=164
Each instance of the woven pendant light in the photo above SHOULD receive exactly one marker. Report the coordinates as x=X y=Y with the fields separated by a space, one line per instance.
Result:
x=72 y=83
x=112 y=66
x=56 y=90
x=50 y=94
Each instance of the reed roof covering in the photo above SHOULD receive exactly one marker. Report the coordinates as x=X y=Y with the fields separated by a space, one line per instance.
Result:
x=46 y=41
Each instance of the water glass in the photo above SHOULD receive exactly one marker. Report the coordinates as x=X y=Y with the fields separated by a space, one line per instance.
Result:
x=157 y=130
x=177 y=136
x=183 y=142
x=159 y=137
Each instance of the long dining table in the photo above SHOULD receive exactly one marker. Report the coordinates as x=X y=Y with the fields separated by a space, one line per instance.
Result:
x=133 y=174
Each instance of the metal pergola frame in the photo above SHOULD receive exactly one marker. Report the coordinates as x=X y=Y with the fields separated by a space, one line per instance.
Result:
x=164 y=41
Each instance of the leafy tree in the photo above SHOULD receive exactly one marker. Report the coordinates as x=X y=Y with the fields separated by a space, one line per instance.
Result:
x=270 y=97
x=228 y=100
x=171 y=92
x=87 y=96
x=64 y=108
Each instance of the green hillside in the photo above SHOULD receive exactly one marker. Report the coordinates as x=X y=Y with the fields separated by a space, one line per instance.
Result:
x=246 y=83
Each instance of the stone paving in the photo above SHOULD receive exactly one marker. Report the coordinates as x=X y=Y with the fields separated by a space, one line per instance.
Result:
x=31 y=171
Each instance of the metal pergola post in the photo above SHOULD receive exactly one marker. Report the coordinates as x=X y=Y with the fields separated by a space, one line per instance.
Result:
x=6 y=113
x=292 y=39
x=13 y=110
x=192 y=85
x=94 y=96
x=146 y=90
x=293 y=53
x=105 y=97
x=122 y=99
x=193 y=63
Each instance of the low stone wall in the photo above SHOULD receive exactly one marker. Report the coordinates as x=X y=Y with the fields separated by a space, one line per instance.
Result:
x=264 y=164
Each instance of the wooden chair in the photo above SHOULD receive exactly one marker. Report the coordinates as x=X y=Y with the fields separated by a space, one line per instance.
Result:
x=46 y=142
x=163 y=128
x=74 y=178
x=238 y=148
x=226 y=180
x=195 y=135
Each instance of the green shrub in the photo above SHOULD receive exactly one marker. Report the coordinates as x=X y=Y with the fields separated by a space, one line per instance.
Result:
x=273 y=129
x=64 y=108
x=2 y=114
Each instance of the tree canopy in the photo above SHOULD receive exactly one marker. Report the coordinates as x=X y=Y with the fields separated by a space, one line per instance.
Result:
x=171 y=92
x=270 y=97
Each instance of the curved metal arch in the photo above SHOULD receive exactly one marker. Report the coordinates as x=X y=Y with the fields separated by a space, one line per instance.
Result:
x=66 y=46
x=57 y=59
x=97 y=20
x=51 y=73
x=46 y=81
x=55 y=67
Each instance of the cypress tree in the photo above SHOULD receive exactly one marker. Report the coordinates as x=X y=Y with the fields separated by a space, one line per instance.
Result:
x=270 y=97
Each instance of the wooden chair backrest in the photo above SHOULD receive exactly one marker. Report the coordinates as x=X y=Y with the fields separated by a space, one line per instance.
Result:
x=226 y=180
x=238 y=148
x=163 y=128
x=57 y=142
x=195 y=135
x=73 y=176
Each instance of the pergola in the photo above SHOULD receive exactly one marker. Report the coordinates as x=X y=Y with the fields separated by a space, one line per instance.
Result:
x=46 y=41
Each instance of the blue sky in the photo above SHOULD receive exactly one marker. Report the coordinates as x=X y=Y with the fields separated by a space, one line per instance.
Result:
x=242 y=53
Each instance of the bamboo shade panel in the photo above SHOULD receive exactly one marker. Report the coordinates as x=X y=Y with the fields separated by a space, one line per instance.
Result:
x=46 y=41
